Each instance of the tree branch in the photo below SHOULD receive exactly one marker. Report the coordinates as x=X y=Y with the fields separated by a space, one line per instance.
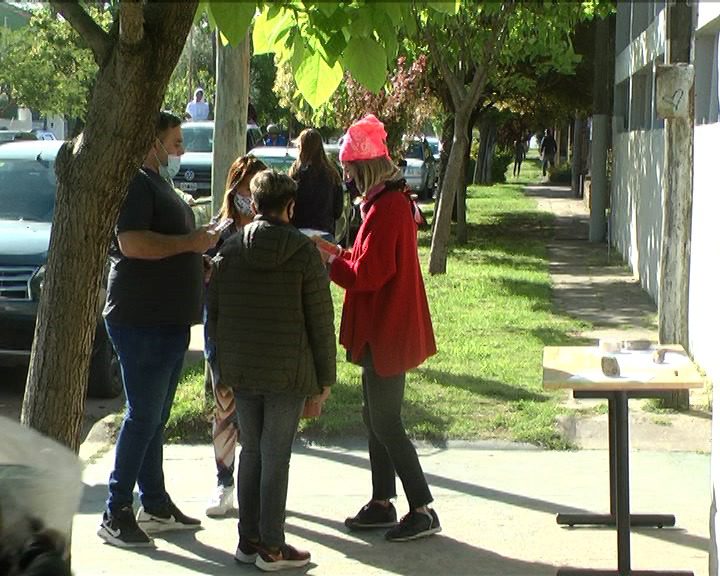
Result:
x=454 y=86
x=95 y=37
x=132 y=21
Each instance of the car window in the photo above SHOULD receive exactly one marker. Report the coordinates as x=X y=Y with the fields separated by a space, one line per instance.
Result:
x=279 y=163
x=434 y=146
x=414 y=150
x=27 y=190
x=197 y=138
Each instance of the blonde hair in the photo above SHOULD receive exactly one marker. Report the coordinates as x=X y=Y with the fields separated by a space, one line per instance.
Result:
x=243 y=167
x=370 y=173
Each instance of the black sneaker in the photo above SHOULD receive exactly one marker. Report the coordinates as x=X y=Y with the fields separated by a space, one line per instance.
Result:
x=165 y=519
x=414 y=525
x=373 y=515
x=120 y=529
x=247 y=551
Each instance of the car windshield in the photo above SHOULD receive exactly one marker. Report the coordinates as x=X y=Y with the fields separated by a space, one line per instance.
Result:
x=27 y=190
x=414 y=150
x=279 y=163
x=434 y=146
x=197 y=138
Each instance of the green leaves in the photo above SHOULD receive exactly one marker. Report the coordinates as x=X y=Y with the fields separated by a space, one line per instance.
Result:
x=271 y=26
x=365 y=59
x=316 y=80
x=232 y=19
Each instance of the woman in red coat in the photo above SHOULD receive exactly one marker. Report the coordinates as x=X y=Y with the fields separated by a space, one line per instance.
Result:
x=386 y=327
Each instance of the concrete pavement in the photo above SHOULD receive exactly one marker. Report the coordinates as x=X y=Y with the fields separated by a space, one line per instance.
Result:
x=496 y=502
x=497 y=507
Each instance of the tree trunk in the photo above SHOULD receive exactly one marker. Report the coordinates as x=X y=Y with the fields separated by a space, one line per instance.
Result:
x=454 y=178
x=674 y=289
x=577 y=155
x=447 y=140
x=231 y=106
x=93 y=173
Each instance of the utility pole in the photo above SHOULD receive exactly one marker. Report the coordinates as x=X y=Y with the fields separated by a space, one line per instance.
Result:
x=599 y=196
x=231 y=106
x=675 y=102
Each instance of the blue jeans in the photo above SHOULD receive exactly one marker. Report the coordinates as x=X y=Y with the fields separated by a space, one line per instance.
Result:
x=151 y=360
x=267 y=426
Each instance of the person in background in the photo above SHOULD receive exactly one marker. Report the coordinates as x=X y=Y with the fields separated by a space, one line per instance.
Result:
x=519 y=152
x=270 y=314
x=198 y=109
x=154 y=295
x=548 y=148
x=386 y=327
x=237 y=205
x=274 y=136
x=319 y=194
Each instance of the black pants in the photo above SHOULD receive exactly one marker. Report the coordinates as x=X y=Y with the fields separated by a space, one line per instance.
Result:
x=516 y=167
x=390 y=448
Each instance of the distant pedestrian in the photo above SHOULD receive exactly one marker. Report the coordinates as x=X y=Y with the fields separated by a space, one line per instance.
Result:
x=154 y=295
x=548 y=149
x=237 y=205
x=386 y=327
x=198 y=109
x=320 y=194
x=270 y=315
x=519 y=151
x=274 y=136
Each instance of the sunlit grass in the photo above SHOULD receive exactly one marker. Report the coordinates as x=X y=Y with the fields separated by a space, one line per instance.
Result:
x=492 y=316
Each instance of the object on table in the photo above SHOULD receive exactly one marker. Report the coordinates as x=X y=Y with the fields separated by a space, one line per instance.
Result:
x=610 y=366
x=659 y=355
x=637 y=344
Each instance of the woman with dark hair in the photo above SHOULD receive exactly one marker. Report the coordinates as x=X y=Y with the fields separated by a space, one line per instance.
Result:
x=320 y=194
x=237 y=206
x=386 y=327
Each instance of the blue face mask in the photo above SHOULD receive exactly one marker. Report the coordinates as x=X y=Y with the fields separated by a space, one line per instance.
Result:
x=243 y=204
x=169 y=170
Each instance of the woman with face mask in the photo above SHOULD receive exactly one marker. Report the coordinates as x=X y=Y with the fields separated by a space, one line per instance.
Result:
x=237 y=206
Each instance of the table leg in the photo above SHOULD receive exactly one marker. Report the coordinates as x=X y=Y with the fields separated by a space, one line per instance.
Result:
x=640 y=520
x=622 y=488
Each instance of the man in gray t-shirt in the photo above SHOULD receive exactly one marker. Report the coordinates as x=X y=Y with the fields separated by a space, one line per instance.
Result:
x=154 y=295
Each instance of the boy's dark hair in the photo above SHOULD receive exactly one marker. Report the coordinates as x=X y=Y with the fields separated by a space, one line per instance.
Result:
x=271 y=191
x=165 y=121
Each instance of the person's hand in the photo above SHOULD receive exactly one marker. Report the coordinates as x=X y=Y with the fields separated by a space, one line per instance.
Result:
x=320 y=398
x=207 y=268
x=325 y=246
x=202 y=239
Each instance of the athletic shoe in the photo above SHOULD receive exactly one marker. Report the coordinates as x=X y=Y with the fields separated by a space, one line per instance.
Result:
x=373 y=515
x=285 y=558
x=414 y=525
x=221 y=502
x=247 y=551
x=119 y=528
x=165 y=519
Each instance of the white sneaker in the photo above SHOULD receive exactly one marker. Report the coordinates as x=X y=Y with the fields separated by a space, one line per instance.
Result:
x=221 y=502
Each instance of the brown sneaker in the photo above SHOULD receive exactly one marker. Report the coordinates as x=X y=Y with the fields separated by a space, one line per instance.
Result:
x=286 y=557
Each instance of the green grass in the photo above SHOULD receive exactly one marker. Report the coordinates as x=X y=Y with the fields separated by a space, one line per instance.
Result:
x=492 y=316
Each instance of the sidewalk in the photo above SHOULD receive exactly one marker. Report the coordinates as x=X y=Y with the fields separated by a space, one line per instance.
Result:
x=496 y=502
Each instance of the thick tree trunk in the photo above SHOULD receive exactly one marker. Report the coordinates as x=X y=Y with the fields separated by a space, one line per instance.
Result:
x=447 y=140
x=454 y=178
x=231 y=106
x=93 y=174
x=577 y=155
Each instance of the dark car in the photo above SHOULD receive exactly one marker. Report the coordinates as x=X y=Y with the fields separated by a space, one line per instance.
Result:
x=195 y=175
x=27 y=202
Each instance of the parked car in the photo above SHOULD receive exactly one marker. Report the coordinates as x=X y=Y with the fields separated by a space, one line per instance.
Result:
x=280 y=158
x=435 y=146
x=420 y=168
x=195 y=175
x=14 y=135
x=27 y=202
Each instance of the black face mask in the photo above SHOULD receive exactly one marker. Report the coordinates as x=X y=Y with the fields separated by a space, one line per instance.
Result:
x=352 y=188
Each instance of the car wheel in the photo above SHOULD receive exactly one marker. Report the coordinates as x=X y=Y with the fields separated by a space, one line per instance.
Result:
x=105 y=379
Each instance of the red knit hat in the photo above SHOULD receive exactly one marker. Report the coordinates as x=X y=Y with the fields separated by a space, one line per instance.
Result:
x=364 y=140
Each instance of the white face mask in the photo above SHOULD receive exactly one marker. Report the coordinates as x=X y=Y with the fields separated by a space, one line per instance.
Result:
x=173 y=165
x=243 y=204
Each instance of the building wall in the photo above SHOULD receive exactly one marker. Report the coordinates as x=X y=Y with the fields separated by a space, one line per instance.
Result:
x=636 y=213
x=704 y=313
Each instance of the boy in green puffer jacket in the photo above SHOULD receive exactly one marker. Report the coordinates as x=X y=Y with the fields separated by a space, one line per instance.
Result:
x=270 y=314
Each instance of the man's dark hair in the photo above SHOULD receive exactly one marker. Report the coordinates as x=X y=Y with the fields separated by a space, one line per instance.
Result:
x=271 y=191
x=165 y=121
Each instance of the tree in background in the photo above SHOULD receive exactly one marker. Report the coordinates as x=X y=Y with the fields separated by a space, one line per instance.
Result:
x=44 y=66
